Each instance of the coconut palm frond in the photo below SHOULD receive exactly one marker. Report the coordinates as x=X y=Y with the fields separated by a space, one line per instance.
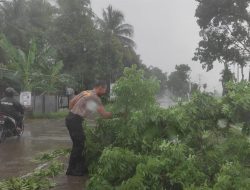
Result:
x=125 y=30
x=127 y=42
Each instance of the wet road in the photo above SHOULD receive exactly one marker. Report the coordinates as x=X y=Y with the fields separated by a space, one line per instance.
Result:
x=16 y=154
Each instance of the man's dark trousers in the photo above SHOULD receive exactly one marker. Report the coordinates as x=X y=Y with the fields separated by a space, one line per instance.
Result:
x=77 y=157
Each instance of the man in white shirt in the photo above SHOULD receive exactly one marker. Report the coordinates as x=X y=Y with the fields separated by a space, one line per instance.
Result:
x=81 y=107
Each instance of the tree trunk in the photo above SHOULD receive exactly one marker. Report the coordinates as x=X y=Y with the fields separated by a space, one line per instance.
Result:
x=242 y=73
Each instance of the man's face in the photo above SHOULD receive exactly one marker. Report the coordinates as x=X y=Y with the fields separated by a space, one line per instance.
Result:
x=100 y=91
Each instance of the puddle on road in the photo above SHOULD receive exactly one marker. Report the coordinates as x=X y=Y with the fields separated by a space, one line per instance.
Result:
x=16 y=154
x=70 y=183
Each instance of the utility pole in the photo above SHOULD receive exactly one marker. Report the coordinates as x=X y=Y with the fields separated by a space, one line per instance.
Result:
x=249 y=74
x=199 y=80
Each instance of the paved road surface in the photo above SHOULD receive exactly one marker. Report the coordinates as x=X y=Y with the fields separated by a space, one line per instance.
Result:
x=40 y=136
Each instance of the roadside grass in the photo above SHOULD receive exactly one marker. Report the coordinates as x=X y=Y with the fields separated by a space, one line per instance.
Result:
x=53 y=115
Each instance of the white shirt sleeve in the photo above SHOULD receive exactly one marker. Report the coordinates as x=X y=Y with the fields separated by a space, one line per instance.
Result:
x=91 y=106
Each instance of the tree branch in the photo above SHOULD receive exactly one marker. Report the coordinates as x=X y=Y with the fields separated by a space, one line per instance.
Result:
x=236 y=40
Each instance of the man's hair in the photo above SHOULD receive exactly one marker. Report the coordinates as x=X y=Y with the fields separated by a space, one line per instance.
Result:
x=100 y=83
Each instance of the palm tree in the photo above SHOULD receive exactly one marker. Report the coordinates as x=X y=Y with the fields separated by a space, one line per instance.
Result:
x=113 y=25
x=117 y=35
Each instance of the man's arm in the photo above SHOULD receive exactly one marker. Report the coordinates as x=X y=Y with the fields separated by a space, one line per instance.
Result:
x=101 y=110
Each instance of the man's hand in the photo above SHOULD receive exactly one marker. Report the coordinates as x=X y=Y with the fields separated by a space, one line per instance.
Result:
x=104 y=113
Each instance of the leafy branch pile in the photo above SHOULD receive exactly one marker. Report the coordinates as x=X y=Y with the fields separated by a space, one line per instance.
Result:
x=40 y=179
x=193 y=146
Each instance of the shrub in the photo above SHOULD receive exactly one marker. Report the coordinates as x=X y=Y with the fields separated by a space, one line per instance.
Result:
x=183 y=147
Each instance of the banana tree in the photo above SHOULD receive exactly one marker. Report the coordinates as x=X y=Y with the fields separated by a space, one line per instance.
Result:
x=37 y=71
x=53 y=80
x=22 y=63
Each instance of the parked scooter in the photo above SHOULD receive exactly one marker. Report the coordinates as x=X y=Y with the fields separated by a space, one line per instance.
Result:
x=8 y=127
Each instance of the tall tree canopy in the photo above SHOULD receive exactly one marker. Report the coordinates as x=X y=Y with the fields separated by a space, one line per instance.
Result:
x=178 y=81
x=225 y=27
x=76 y=39
x=23 y=20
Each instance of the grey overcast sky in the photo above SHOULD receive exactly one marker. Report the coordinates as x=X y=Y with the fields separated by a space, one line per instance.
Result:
x=166 y=34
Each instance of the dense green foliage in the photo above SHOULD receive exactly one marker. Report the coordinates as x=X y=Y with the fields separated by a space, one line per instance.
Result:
x=195 y=145
x=236 y=104
x=45 y=41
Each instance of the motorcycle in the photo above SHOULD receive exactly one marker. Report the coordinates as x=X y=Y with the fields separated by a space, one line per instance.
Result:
x=8 y=127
